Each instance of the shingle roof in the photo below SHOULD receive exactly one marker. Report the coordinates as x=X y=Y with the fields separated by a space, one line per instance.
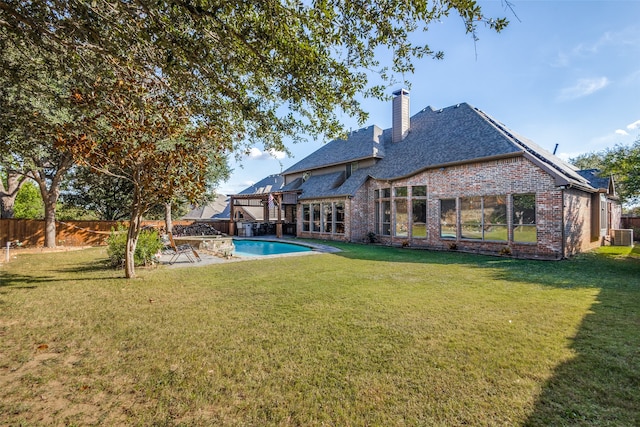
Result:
x=266 y=185
x=216 y=209
x=451 y=135
x=361 y=144
x=594 y=178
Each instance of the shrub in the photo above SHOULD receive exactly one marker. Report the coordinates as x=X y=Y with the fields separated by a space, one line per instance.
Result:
x=148 y=246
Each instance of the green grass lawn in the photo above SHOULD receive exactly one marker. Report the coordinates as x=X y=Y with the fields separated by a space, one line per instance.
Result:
x=371 y=336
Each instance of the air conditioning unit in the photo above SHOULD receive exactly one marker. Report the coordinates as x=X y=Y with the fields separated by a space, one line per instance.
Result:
x=623 y=237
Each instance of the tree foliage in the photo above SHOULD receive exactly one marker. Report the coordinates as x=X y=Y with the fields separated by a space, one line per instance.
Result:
x=33 y=104
x=137 y=131
x=258 y=71
x=622 y=162
x=28 y=202
x=150 y=91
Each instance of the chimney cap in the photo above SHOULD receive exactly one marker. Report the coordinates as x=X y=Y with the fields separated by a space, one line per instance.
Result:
x=401 y=92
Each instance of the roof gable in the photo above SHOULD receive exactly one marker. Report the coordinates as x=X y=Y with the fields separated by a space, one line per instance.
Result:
x=361 y=144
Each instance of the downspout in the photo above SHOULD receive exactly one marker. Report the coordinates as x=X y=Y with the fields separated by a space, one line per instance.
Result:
x=563 y=246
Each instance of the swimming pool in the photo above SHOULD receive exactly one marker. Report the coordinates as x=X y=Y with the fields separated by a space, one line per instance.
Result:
x=265 y=247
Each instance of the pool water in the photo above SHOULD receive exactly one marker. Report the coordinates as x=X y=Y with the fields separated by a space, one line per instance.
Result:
x=264 y=247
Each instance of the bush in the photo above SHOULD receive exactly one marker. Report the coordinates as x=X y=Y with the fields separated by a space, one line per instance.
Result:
x=148 y=246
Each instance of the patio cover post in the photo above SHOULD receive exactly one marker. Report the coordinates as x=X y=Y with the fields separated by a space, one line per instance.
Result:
x=232 y=219
x=278 y=202
x=265 y=207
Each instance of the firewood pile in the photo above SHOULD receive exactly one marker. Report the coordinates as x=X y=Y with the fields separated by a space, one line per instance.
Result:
x=196 y=229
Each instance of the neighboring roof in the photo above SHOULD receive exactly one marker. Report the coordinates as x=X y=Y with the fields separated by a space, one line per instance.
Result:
x=361 y=144
x=594 y=178
x=437 y=138
x=216 y=209
x=266 y=185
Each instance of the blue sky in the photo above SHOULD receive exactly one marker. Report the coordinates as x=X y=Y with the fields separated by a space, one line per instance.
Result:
x=566 y=73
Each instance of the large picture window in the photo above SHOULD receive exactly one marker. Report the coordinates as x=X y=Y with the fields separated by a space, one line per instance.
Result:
x=448 y=219
x=484 y=218
x=524 y=218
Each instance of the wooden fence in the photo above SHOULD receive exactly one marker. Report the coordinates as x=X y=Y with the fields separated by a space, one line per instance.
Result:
x=632 y=222
x=29 y=232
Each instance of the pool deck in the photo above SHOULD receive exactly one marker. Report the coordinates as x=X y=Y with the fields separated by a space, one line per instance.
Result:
x=208 y=259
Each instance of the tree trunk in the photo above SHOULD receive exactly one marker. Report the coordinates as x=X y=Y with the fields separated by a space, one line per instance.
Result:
x=50 y=223
x=50 y=199
x=49 y=184
x=8 y=194
x=167 y=217
x=135 y=225
x=130 y=250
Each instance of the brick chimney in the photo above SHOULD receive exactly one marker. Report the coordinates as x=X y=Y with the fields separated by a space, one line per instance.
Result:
x=400 y=120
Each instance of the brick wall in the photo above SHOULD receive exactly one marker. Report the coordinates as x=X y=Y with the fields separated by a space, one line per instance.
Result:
x=498 y=177
x=560 y=214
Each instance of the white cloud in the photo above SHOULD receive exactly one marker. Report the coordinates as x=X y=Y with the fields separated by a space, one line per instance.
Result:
x=621 y=132
x=583 y=87
x=634 y=125
x=256 y=154
x=626 y=39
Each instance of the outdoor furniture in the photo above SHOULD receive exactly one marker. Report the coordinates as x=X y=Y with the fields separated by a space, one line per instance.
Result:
x=187 y=250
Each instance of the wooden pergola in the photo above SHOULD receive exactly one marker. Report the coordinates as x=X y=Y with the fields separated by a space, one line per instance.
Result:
x=263 y=199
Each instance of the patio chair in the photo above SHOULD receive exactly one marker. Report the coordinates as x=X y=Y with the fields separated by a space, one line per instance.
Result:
x=187 y=250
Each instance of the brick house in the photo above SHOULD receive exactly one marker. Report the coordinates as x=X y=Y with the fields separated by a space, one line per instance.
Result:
x=450 y=178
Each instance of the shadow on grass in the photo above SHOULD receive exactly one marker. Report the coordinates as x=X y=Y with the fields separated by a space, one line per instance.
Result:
x=22 y=281
x=88 y=271
x=599 y=386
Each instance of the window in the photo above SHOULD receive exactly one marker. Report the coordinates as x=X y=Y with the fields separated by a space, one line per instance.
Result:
x=383 y=211
x=306 y=217
x=524 y=218
x=386 y=217
x=351 y=168
x=419 y=211
x=402 y=218
x=327 y=217
x=471 y=218
x=604 y=215
x=323 y=217
x=494 y=213
x=419 y=191
x=484 y=218
x=339 y=218
x=448 y=220
x=315 y=217
x=400 y=191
